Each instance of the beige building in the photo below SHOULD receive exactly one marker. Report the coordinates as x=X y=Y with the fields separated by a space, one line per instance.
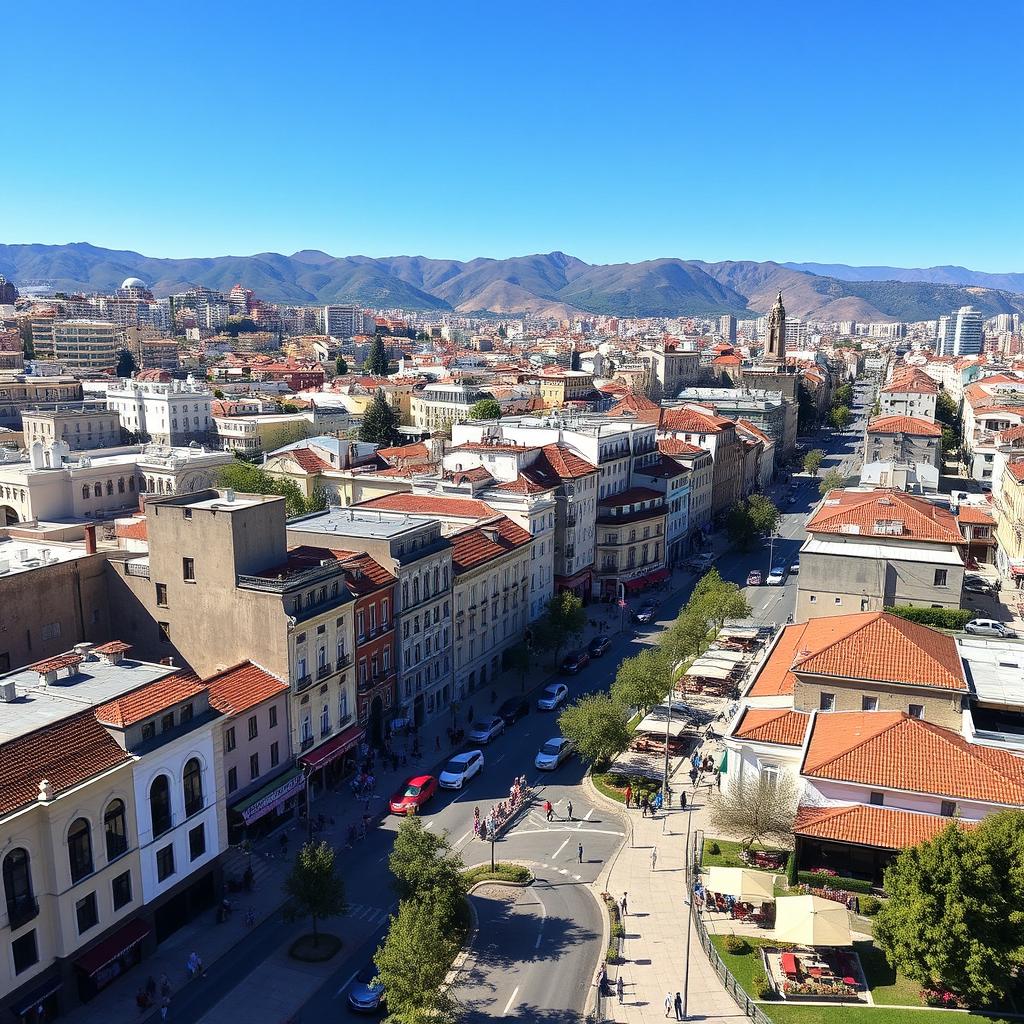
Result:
x=667 y=370
x=558 y=386
x=630 y=552
x=83 y=426
x=91 y=345
x=19 y=393
x=1010 y=520
x=701 y=427
x=903 y=439
x=439 y=405
x=250 y=435
x=701 y=466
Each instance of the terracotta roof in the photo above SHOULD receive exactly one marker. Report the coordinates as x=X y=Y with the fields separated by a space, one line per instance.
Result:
x=307 y=461
x=149 y=700
x=904 y=425
x=56 y=663
x=372 y=575
x=665 y=468
x=773 y=725
x=1011 y=434
x=886 y=828
x=638 y=406
x=891 y=750
x=527 y=483
x=565 y=462
x=1016 y=470
x=673 y=446
x=632 y=496
x=408 y=470
x=692 y=421
x=975 y=515
x=66 y=754
x=132 y=529
x=883 y=647
x=912 y=381
x=726 y=359
x=417 y=450
x=474 y=475
x=756 y=431
x=242 y=687
x=429 y=504
x=112 y=647
x=858 y=512
x=478 y=544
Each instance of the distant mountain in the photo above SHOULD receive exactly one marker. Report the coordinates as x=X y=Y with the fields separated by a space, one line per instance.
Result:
x=931 y=275
x=552 y=284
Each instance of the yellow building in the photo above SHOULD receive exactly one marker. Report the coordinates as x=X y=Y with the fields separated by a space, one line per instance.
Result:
x=560 y=386
x=1010 y=527
x=630 y=551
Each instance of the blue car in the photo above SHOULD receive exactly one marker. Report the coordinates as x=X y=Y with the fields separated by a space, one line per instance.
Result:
x=365 y=995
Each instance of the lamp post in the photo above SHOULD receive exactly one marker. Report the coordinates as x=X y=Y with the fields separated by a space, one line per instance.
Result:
x=621 y=591
x=307 y=774
x=691 y=910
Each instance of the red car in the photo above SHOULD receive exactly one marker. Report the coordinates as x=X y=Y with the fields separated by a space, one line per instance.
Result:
x=413 y=793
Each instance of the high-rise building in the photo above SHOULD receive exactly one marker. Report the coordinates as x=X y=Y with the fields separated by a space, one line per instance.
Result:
x=944 y=335
x=967 y=337
x=727 y=328
x=86 y=344
x=343 y=321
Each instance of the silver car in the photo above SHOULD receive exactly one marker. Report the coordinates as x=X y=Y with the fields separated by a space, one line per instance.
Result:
x=485 y=731
x=553 y=753
x=551 y=696
x=988 y=627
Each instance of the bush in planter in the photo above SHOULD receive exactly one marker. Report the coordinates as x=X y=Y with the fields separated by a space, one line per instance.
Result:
x=870 y=905
x=714 y=849
x=819 y=880
x=612 y=956
x=736 y=944
x=617 y=930
x=791 y=872
x=762 y=988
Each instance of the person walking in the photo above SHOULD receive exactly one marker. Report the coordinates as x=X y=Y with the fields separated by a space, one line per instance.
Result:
x=682 y=800
x=679 y=1006
x=629 y=795
x=619 y=987
x=654 y=857
x=625 y=909
x=165 y=1006
x=548 y=809
x=668 y=1004
x=568 y=810
x=579 y=853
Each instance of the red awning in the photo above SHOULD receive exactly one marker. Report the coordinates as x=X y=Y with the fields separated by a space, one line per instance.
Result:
x=659 y=576
x=113 y=946
x=1017 y=570
x=334 y=747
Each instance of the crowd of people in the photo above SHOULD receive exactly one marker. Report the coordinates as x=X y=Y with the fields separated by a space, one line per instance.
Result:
x=501 y=813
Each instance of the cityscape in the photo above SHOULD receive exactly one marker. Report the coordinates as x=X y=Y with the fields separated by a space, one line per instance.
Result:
x=585 y=622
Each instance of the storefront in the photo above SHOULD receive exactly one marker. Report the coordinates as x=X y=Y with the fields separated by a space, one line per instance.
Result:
x=581 y=584
x=333 y=760
x=41 y=1003
x=105 y=962
x=261 y=812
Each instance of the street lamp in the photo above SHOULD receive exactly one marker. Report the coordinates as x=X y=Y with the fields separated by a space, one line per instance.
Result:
x=621 y=591
x=692 y=910
x=307 y=774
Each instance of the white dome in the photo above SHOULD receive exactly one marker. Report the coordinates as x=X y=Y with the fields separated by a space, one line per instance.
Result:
x=133 y=282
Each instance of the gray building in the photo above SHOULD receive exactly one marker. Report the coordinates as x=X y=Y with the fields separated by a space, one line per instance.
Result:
x=770 y=411
x=903 y=439
x=82 y=425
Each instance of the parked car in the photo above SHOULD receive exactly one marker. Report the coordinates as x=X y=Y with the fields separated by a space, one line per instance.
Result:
x=574 y=661
x=978 y=584
x=413 y=794
x=366 y=994
x=795 y=567
x=777 y=576
x=553 y=753
x=646 y=612
x=699 y=563
x=754 y=578
x=599 y=646
x=513 y=709
x=988 y=627
x=551 y=696
x=460 y=769
x=486 y=730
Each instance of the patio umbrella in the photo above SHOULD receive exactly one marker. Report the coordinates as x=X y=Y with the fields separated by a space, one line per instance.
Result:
x=744 y=884
x=812 y=921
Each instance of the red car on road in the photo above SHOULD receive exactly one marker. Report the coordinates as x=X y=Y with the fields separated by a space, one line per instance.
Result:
x=413 y=793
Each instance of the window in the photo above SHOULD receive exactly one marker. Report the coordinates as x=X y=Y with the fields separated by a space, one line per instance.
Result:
x=114 y=829
x=196 y=842
x=769 y=776
x=254 y=765
x=167 y=722
x=21 y=903
x=275 y=756
x=85 y=912
x=384 y=613
x=359 y=625
x=24 y=952
x=813 y=598
x=188 y=570
x=869 y=703
x=940 y=577
x=916 y=711
x=148 y=731
x=161 y=595
x=192 y=781
x=837 y=600
x=254 y=728
x=827 y=702
x=948 y=808
x=232 y=779
x=878 y=799
x=121 y=890
x=325 y=720
x=160 y=805
x=164 y=863
x=864 y=604
x=272 y=713
x=80 y=849
x=164 y=632
x=229 y=739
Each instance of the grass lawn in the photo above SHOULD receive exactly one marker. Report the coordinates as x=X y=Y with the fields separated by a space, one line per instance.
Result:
x=729 y=857
x=743 y=965
x=792 y=1014
x=614 y=786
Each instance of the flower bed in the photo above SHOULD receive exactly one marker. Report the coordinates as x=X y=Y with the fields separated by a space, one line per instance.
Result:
x=944 y=998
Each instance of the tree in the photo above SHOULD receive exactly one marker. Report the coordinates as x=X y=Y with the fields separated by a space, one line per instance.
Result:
x=126 y=364
x=314 y=887
x=380 y=422
x=830 y=481
x=485 y=409
x=317 y=501
x=843 y=395
x=598 y=725
x=757 y=809
x=643 y=680
x=426 y=870
x=750 y=518
x=519 y=659
x=813 y=460
x=955 y=907
x=340 y=366
x=946 y=410
x=950 y=441
x=27 y=344
x=502 y=331
x=714 y=600
x=377 y=359
x=563 y=620
x=840 y=416
x=412 y=964
x=249 y=479
x=686 y=638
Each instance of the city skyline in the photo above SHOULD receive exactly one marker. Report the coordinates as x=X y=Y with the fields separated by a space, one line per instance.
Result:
x=456 y=133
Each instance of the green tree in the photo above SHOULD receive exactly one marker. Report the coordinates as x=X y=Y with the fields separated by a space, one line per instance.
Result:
x=377 y=358
x=840 y=416
x=686 y=638
x=485 y=409
x=750 y=518
x=314 y=887
x=380 y=422
x=946 y=410
x=813 y=460
x=426 y=870
x=950 y=442
x=598 y=725
x=27 y=344
x=246 y=478
x=340 y=366
x=643 y=680
x=317 y=501
x=830 y=481
x=843 y=395
x=563 y=620
x=715 y=600
x=502 y=331
x=126 y=364
x=218 y=394
x=955 y=907
x=412 y=964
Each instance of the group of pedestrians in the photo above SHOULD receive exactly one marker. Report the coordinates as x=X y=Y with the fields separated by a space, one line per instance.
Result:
x=499 y=815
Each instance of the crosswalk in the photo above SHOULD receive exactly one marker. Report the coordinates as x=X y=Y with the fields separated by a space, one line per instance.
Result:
x=368 y=914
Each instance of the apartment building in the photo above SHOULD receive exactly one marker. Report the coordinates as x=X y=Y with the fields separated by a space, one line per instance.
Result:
x=89 y=345
x=19 y=393
x=12 y=356
x=173 y=413
x=82 y=426
x=699 y=426
x=439 y=405
x=631 y=531
x=1009 y=504
x=701 y=468
x=909 y=392
x=668 y=369
x=559 y=387
x=903 y=439
x=672 y=479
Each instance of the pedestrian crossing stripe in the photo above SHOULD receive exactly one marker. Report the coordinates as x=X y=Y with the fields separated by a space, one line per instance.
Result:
x=364 y=912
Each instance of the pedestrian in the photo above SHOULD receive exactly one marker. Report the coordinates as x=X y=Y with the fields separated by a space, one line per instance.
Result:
x=654 y=857
x=165 y=1005
x=682 y=800
x=165 y=985
x=629 y=794
x=679 y=1006
x=668 y=1004
x=646 y=806
x=548 y=809
x=718 y=779
x=579 y=853
x=568 y=809
x=619 y=987
x=693 y=777
x=625 y=910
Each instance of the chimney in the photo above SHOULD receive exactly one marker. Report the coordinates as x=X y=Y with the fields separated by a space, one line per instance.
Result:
x=90 y=539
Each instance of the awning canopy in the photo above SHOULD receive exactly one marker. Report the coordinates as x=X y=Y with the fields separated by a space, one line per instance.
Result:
x=812 y=921
x=270 y=796
x=709 y=670
x=93 y=961
x=27 y=1004
x=725 y=657
x=657 y=724
x=744 y=884
x=333 y=748
x=658 y=576
x=739 y=633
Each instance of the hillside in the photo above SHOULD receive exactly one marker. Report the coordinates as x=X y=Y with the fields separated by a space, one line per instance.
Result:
x=552 y=284
x=932 y=275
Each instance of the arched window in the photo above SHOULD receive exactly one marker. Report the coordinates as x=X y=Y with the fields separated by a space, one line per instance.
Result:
x=131 y=483
x=80 y=849
x=160 y=805
x=85 y=491
x=97 y=490
x=110 y=487
x=21 y=904
x=114 y=829
x=193 y=783
x=120 y=485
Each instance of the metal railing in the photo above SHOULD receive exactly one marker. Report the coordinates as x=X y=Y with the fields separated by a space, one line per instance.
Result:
x=303 y=682
x=323 y=671
x=137 y=569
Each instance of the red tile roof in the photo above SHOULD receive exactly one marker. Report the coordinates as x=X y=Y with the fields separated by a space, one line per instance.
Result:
x=975 y=515
x=478 y=544
x=149 y=700
x=673 y=446
x=911 y=381
x=417 y=451
x=527 y=483
x=132 y=529
x=243 y=686
x=112 y=647
x=56 y=663
x=1011 y=434
x=755 y=431
x=904 y=425
x=773 y=725
x=632 y=496
x=372 y=575
x=66 y=754
x=692 y=421
x=306 y=460
x=886 y=828
x=891 y=750
x=566 y=463
x=638 y=406
x=474 y=475
x=857 y=512
x=429 y=504
x=1016 y=470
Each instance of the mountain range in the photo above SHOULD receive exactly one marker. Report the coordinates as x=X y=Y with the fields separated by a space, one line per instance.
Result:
x=552 y=284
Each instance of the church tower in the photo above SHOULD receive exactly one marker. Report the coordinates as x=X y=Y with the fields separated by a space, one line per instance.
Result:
x=775 y=350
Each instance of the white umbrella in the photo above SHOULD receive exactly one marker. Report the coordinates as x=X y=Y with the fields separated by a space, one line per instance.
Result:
x=812 y=921
x=744 y=884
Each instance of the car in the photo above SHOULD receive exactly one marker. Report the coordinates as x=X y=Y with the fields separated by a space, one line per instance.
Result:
x=700 y=563
x=460 y=769
x=754 y=578
x=795 y=567
x=599 y=646
x=988 y=627
x=553 y=753
x=551 y=696
x=978 y=584
x=574 y=661
x=366 y=994
x=486 y=730
x=413 y=794
x=646 y=612
x=777 y=576
x=513 y=709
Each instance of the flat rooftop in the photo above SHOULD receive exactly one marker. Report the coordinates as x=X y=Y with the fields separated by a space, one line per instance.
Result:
x=994 y=668
x=18 y=555
x=95 y=682
x=352 y=522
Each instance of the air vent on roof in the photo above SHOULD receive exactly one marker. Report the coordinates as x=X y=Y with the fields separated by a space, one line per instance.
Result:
x=850 y=528
x=885 y=501
x=8 y=691
x=832 y=501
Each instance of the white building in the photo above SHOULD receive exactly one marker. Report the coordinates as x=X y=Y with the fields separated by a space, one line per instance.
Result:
x=967 y=334
x=173 y=413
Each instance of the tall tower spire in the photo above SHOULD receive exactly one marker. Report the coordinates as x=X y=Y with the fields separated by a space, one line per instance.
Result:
x=775 y=349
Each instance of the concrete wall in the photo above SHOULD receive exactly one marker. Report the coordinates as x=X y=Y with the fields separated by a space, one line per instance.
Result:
x=939 y=709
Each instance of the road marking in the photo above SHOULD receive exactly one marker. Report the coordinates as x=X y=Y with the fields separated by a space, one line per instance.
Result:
x=511 y=1000
x=534 y=831
x=589 y=813
x=576 y=878
x=465 y=837
x=543 y=918
x=554 y=856
x=562 y=871
x=430 y=824
x=345 y=984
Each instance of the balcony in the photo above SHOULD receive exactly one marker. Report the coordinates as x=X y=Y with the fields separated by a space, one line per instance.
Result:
x=21 y=910
x=323 y=671
x=307 y=743
x=344 y=660
x=303 y=682
x=137 y=568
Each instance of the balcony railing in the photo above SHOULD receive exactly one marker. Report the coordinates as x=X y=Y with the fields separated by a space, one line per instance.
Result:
x=137 y=569
x=571 y=520
x=343 y=661
x=307 y=743
x=303 y=682
x=21 y=910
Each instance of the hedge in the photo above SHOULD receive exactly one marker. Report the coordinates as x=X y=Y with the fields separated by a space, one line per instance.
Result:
x=942 y=618
x=502 y=873
x=791 y=871
x=821 y=881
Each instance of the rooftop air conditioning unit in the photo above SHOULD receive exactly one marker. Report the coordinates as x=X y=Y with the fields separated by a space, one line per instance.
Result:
x=8 y=691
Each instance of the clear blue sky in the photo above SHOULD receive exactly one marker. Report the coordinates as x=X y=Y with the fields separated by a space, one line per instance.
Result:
x=873 y=132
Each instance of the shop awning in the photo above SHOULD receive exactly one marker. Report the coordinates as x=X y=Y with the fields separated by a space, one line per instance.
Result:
x=738 y=633
x=270 y=796
x=723 y=766
x=27 y=1004
x=333 y=748
x=112 y=947
x=709 y=670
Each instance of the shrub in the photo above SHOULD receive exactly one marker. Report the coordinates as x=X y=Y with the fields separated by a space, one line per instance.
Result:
x=736 y=944
x=714 y=848
x=502 y=873
x=822 y=881
x=618 y=930
x=870 y=905
x=791 y=872
x=942 y=618
x=761 y=986
x=612 y=956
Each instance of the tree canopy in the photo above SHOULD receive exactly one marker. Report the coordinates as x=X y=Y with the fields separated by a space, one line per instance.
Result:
x=840 y=416
x=563 y=620
x=426 y=870
x=314 y=887
x=643 y=680
x=340 y=366
x=126 y=364
x=485 y=409
x=830 y=481
x=246 y=478
x=757 y=809
x=598 y=725
x=377 y=361
x=380 y=422
x=750 y=518
x=714 y=600
x=813 y=460
x=946 y=410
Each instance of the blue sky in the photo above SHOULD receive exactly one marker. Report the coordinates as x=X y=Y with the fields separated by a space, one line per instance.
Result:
x=868 y=133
